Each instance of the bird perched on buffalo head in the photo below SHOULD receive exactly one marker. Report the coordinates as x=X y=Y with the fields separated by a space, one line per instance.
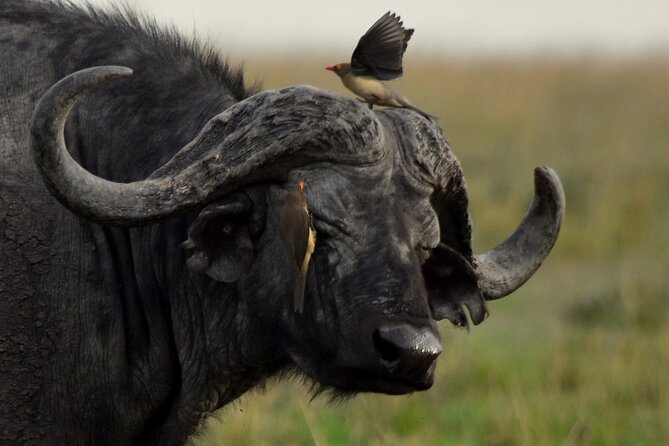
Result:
x=377 y=58
x=297 y=230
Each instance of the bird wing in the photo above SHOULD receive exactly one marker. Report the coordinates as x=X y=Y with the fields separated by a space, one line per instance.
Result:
x=301 y=279
x=379 y=52
x=296 y=230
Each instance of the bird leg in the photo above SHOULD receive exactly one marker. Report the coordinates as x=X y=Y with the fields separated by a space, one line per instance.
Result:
x=369 y=104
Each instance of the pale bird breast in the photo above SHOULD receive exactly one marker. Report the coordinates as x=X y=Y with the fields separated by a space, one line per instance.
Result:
x=366 y=87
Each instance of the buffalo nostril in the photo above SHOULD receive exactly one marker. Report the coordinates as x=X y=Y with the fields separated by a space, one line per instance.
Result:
x=406 y=349
x=387 y=350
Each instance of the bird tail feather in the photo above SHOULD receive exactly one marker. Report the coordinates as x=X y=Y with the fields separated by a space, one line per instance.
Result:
x=421 y=112
x=298 y=291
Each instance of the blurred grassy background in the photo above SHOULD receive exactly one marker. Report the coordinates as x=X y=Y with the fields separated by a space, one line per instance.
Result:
x=580 y=354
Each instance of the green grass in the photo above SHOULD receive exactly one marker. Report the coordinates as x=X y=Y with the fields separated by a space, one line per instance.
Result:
x=580 y=354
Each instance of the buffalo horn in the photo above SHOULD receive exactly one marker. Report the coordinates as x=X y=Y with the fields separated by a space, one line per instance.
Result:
x=506 y=267
x=260 y=138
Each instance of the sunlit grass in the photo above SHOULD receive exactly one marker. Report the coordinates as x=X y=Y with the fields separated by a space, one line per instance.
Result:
x=579 y=355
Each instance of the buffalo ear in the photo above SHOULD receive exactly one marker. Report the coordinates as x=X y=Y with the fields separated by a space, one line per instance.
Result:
x=219 y=241
x=452 y=285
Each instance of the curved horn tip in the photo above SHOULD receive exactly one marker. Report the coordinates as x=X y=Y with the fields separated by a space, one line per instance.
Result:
x=95 y=75
x=547 y=185
x=57 y=101
x=88 y=78
x=52 y=109
x=105 y=71
x=509 y=265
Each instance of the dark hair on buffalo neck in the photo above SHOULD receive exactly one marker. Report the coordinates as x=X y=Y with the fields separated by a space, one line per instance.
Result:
x=164 y=42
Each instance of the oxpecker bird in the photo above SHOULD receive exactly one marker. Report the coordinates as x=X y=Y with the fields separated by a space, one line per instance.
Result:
x=377 y=58
x=297 y=230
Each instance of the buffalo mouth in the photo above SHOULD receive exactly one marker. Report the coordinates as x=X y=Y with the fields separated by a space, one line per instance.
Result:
x=360 y=380
x=391 y=381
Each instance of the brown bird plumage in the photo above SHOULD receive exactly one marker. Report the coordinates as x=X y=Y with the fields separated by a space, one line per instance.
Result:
x=297 y=230
x=377 y=58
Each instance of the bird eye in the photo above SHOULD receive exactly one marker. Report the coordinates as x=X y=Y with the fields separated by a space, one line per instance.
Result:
x=338 y=67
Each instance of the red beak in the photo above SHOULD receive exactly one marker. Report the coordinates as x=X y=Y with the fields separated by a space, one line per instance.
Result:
x=330 y=68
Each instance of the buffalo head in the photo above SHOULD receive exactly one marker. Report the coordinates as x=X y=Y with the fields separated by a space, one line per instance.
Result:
x=389 y=205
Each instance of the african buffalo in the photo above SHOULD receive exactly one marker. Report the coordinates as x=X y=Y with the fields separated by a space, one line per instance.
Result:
x=155 y=289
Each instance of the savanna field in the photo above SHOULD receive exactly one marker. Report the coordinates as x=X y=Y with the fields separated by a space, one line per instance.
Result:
x=580 y=354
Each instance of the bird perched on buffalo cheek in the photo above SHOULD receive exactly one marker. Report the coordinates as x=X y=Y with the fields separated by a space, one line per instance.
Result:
x=377 y=58
x=297 y=230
